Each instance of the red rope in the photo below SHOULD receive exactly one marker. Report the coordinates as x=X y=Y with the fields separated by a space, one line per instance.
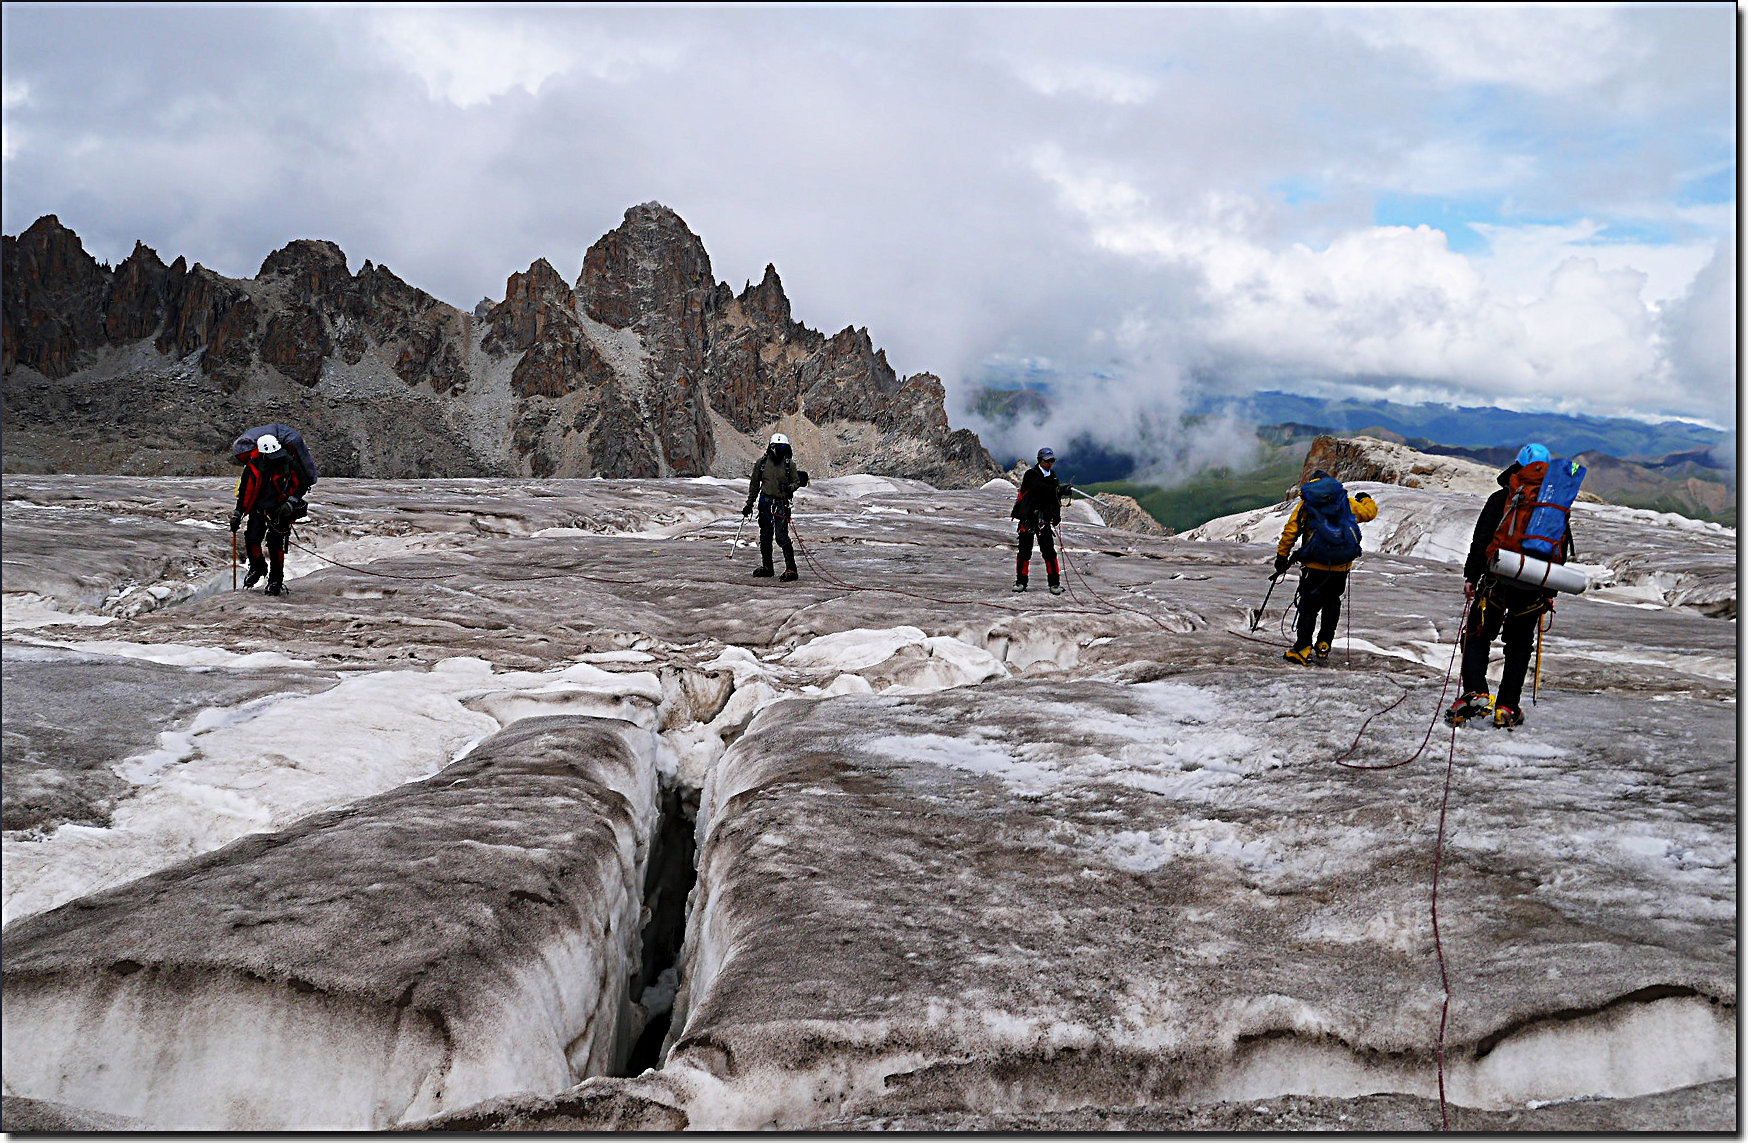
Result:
x=1438 y=848
x=1086 y=583
x=1341 y=759
x=1438 y=852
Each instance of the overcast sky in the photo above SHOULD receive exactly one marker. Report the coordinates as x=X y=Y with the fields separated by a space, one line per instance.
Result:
x=1529 y=207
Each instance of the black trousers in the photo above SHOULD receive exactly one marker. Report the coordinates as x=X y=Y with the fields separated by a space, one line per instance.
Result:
x=1046 y=544
x=774 y=523
x=1320 y=595
x=1515 y=613
x=264 y=523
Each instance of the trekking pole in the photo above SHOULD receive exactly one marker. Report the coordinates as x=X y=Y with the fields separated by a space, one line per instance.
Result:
x=233 y=561
x=1347 y=616
x=735 y=543
x=1536 y=683
x=1256 y=613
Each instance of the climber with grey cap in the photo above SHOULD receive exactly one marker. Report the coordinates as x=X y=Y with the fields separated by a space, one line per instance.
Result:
x=269 y=493
x=774 y=483
x=1038 y=508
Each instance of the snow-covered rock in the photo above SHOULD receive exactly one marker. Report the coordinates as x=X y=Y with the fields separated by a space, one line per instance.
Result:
x=422 y=950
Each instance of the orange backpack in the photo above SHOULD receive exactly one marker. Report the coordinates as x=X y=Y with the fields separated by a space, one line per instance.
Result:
x=1522 y=498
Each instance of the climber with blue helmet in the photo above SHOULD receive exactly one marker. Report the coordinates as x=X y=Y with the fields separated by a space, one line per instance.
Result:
x=1499 y=607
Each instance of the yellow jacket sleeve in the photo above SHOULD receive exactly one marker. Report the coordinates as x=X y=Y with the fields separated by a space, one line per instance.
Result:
x=1290 y=532
x=1365 y=511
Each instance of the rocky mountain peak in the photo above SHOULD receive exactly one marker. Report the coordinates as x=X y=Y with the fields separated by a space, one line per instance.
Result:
x=686 y=379
x=767 y=300
x=305 y=255
x=533 y=299
x=640 y=274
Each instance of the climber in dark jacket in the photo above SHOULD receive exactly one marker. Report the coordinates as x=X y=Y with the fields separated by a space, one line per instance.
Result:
x=269 y=493
x=1499 y=606
x=773 y=484
x=1038 y=508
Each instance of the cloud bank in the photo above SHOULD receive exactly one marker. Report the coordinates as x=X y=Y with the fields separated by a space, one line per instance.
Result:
x=1532 y=207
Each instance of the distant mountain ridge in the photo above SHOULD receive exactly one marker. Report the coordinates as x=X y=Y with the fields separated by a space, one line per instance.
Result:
x=1478 y=427
x=645 y=366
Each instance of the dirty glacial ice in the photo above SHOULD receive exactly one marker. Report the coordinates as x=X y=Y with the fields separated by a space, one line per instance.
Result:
x=528 y=808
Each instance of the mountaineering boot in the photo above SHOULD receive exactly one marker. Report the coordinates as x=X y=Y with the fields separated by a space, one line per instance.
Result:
x=256 y=571
x=1300 y=655
x=1323 y=654
x=1473 y=704
x=1507 y=717
x=1019 y=585
x=788 y=576
x=1057 y=589
x=274 y=587
x=763 y=573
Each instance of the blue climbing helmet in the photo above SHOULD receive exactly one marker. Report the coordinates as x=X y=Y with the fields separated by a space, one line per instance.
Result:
x=1533 y=454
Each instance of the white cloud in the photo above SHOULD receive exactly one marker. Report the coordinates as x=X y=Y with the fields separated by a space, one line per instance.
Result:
x=1548 y=315
x=1551 y=49
x=1521 y=260
x=1698 y=332
x=1101 y=81
x=13 y=95
x=1146 y=194
x=470 y=57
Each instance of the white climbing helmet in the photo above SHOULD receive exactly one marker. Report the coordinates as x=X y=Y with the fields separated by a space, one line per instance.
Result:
x=267 y=444
x=779 y=439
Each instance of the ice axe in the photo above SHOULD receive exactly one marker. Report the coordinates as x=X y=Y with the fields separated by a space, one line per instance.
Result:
x=1256 y=612
x=735 y=543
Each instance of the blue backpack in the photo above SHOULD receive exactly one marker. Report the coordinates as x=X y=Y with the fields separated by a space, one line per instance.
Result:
x=1547 y=524
x=1326 y=520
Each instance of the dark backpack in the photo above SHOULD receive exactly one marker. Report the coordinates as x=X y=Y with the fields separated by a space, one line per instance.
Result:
x=290 y=438
x=1326 y=520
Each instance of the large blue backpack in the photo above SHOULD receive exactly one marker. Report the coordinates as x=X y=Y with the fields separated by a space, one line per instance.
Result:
x=1547 y=524
x=1326 y=520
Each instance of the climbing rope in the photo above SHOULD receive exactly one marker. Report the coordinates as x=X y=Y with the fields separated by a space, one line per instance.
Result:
x=1438 y=848
x=1341 y=759
x=1092 y=591
x=826 y=577
x=290 y=539
x=1438 y=945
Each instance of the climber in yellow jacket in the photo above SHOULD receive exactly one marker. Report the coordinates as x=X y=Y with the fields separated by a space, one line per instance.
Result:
x=1326 y=524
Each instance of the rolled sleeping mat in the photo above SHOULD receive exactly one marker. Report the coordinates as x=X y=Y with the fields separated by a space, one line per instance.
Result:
x=1532 y=572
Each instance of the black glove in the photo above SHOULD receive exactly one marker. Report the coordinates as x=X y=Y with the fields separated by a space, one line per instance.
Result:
x=1067 y=491
x=1362 y=496
x=801 y=478
x=1281 y=563
x=236 y=520
x=748 y=510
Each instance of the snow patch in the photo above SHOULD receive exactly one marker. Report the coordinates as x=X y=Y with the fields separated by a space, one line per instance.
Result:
x=26 y=610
